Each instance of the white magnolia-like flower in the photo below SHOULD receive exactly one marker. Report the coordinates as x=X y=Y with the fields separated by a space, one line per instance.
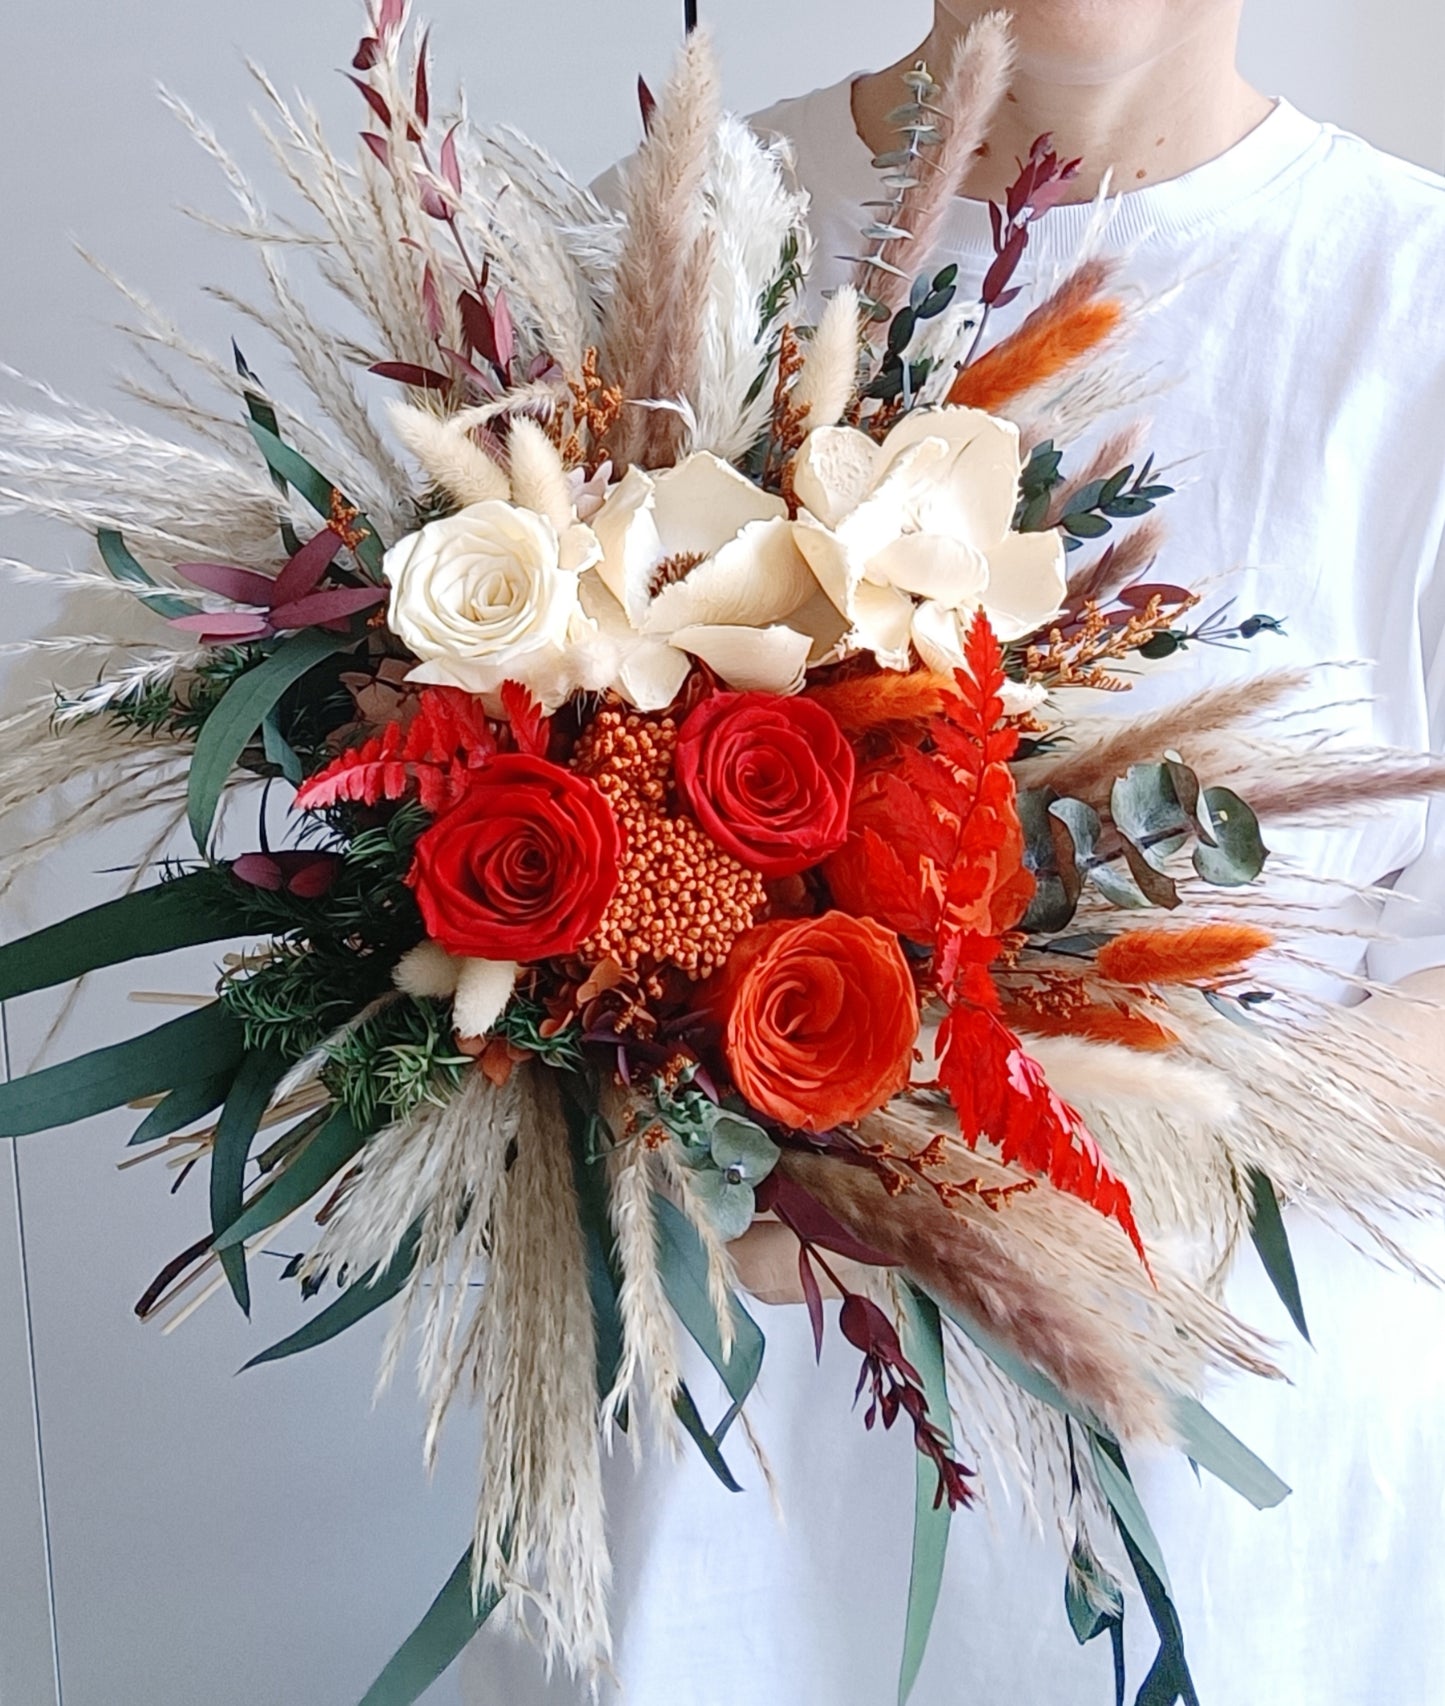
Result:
x=911 y=536
x=697 y=561
x=491 y=594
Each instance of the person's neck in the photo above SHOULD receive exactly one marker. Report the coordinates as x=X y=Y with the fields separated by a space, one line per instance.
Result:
x=1143 y=125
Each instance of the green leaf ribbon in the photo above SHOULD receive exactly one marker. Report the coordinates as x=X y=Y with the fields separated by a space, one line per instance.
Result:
x=177 y=914
x=922 y=1337
x=239 y=713
x=200 y=1045
x=1266 y=1228
x=452 y=1619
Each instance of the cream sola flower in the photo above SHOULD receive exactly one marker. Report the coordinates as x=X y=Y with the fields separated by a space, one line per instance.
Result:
x=698 y=562
x=911 y=536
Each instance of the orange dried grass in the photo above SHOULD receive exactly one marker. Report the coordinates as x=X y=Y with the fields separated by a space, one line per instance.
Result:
x=1180 y=956
x=1074 y=321
x=884 y=698
x=1096 y=1023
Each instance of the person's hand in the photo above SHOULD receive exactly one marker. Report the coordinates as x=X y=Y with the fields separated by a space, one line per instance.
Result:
x=766 y=1259
x=1417 y=1023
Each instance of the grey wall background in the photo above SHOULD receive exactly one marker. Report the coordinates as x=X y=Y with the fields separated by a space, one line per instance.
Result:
x=170 y=1534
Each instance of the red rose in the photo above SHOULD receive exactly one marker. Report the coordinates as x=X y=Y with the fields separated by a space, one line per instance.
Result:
x=768 y=778
x=523 y=867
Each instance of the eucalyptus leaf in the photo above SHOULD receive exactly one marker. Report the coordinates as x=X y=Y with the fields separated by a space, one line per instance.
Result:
x=354 y=1304
x=728 y=1203
x=1093 y=1597
x=741 y=1151
x=319 y=492
x=179 y=1107
x=1239 y=853
x=1213 y=1447
x=1052 y=905
x=124 y=567
x=1158 y=889
x=1146 y=811
x=682 y=1262
x=236 y=1130
x=324 y=1155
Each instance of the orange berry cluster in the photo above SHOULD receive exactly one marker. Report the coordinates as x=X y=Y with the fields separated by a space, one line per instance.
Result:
x=680 y=899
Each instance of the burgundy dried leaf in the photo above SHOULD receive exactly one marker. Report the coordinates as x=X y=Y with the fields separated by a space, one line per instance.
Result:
x=504 y=331
x=223 y=625
x=421 y=97
x=433 y=203
x=813 y=1224
x=241 y=586
x=647 y=101
x=451 y=170
x=304 y=571
x=367 y=53
x=478 y=325
x=298 y=871
x=373 y=100
x=390 y=18
x=1005 y=262
x=379 y=146
x=408 y=373
x=323 y=607
x=1136 y=597
x=469 y=371
x=813 y=1297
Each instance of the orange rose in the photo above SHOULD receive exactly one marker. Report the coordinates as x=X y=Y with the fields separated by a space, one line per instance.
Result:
x=819 y=1018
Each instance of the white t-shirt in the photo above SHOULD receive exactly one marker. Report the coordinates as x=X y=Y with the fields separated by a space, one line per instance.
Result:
x=1308 y=388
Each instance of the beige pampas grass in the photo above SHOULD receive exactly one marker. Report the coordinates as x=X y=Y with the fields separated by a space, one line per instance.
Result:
x=448 y=457
x=829 y=376
x=651 y=330
x=750 y=213
x=540 y=1529
x=975 y=82
x=649 y=1363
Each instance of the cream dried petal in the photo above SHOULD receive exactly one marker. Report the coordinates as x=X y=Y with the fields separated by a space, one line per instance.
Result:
x=578 y=548
x=758 y=577
x=974 y=500
x=1027 y=583
x=626 y=531
x=833 y=471
x=751 y=660
x=703 y=502
x=937 y=635
x=882 y=616
x=931 y=565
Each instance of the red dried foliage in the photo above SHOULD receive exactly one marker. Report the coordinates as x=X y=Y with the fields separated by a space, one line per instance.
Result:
x=935 y=849
x=448 y=738
x=997 y=1090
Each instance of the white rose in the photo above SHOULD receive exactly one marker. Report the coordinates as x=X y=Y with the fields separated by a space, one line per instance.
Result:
x=490 y=594
x=911 y=536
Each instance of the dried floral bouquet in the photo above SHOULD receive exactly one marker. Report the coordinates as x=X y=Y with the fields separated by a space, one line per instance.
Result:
x=689 y=824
